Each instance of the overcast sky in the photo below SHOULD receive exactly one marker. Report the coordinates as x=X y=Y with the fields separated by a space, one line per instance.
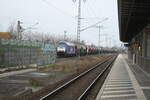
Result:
x=55 y=16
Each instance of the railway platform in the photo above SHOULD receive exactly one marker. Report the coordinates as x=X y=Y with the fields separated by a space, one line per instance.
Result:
x=125 y=82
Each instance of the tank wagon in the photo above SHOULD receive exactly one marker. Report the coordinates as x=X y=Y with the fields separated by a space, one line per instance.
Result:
x=92 y=49
x=80 y=49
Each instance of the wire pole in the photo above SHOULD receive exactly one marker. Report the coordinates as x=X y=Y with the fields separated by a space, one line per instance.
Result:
x=78 y=24
x=79 y=21
x=106 y=40
x=65 y=35
x=99 y=31
x=99 y=27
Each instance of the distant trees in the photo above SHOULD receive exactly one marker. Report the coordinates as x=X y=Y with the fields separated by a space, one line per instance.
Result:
x=28 y=34
x=46 y=37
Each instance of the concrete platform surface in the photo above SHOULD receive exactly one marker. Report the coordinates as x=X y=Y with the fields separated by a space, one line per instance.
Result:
x=121 y=83
x=142 y=77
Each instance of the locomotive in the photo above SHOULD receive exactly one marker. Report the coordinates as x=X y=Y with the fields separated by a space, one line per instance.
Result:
x=65 y=48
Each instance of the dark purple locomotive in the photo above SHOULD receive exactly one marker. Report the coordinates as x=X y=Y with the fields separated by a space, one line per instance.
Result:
x=65 y=48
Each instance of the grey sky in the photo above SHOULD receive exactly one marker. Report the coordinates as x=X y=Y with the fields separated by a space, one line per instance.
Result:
x=58 y=15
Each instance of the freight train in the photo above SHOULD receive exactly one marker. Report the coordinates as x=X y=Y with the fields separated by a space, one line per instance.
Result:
x=65 y=48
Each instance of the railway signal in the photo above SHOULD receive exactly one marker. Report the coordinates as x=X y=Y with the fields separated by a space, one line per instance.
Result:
x=19 y=30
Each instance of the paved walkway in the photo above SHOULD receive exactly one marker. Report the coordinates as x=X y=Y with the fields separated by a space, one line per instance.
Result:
x=142 y=77
x=16 y=72
x=121 y=84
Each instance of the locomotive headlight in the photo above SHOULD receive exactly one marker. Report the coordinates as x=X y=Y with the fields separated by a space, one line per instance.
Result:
x=61 y=48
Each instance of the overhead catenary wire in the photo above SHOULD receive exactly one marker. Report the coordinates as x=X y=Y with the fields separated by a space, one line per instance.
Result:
x=58 y=9
x=94 y=24
x=90 y=11
x=91 y=8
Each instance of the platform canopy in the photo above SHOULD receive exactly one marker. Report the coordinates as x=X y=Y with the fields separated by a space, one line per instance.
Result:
x=134 y=15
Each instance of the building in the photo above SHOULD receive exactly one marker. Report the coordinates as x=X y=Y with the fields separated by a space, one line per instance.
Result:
x=134 y=26
x=4 y=35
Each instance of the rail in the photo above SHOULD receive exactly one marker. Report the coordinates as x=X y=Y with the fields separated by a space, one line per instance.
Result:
x=54 y=92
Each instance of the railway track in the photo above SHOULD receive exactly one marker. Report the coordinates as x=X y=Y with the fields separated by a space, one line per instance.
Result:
x=81 y=86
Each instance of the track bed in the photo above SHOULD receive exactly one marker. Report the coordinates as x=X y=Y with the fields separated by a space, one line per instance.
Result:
x=80 y=86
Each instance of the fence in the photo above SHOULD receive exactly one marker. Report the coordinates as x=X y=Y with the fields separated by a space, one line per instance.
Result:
x=23 y=52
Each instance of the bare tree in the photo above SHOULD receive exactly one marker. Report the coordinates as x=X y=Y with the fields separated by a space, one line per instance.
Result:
x=46 y=37
x=13 y=30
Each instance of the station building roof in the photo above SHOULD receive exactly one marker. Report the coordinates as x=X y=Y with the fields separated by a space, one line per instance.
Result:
x=134 y=15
